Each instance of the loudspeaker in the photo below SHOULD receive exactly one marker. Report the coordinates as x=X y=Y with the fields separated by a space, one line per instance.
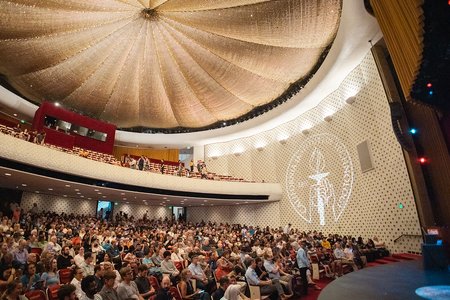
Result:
x=365 y=159
x=434 y=257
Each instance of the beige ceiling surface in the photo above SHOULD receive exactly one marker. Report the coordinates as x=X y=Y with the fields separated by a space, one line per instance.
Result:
x=162 y=64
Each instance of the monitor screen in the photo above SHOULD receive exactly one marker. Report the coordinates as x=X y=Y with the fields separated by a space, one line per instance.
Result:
x=105 y=210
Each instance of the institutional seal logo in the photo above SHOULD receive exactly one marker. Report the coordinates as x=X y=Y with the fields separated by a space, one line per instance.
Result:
x=319 y=178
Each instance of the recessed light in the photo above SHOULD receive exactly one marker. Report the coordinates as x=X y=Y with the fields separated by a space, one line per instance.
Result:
x=77 y=190
x=89 y=198
x=37 y=192
x=237 y=203
x=50 y=189
x=81 y=196
x=128 y=202
x=122 y=194
x=104 y=196
x=64 y=195
x=7 y=174
x=184 y=199
x=67 y=185
x=24 y=184
x=124 y=199
x=15 y=115
x=168 y=200
x=203 y=204
x=246 y=201
x=165 y=198
x=78 y=193
x=99 y=193
x=96 y=190
x=205 y=200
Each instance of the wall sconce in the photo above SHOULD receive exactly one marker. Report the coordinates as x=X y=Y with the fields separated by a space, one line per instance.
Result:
x=328 y=118
x=350 y=100
x=306 y=131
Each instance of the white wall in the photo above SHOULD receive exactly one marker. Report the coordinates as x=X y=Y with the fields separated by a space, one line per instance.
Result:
x=373 y=206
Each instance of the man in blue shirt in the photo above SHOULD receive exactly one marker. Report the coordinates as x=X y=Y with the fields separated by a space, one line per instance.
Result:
x=303 y=265
x=267 y=287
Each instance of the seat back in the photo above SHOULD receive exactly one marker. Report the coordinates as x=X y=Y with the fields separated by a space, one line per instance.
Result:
x=153 y=282
x=35 y=295
x=255 y=292
x=175 y=293
x=52 y=292
x=36 y=250
x=65 y=275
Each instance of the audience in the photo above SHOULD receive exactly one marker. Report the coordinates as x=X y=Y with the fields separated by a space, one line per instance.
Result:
x=209 y=250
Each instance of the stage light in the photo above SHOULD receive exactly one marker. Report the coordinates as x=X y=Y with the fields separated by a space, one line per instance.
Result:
x=413 y=131
x=423 y=160
x=430 y=93
x=429 y=85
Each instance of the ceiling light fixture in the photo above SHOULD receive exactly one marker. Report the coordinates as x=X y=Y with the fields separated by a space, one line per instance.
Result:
x=50 y=189
x=7 y=174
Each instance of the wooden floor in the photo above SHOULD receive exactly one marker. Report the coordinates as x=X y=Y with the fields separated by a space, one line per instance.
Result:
x=389 y=281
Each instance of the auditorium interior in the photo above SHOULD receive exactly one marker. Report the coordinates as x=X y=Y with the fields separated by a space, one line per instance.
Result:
x=238 y=122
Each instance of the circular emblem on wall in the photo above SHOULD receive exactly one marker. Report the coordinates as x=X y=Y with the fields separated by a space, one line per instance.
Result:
x=319 y=179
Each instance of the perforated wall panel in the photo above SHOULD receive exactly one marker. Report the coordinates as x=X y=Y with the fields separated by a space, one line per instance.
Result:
x=324 y=188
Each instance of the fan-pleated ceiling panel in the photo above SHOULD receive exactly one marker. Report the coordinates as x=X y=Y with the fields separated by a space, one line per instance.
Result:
x=163 y=64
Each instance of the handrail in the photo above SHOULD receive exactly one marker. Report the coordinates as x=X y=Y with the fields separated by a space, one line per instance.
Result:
x=406 y=234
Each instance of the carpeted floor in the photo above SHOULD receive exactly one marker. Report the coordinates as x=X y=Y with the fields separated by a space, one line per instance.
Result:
x=323 y=282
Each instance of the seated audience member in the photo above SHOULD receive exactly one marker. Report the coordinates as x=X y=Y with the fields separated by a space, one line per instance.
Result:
x=224 y=265
x=107 y=266
x=275 y=271
x=199 y=275
x=224 y=282
x=21 y=253
x=7 y=276
x=50 y=276
x=164 y=291
x=168 y=267
x=341 y=259
x=79 y=258
x=127 y=289
x=89 y=288
x=99 y=271
x=143 y=284
x=86 y=265
x=64 y=260
x=186 y=289
x=76 y=281
x=30 y=279
x=233 y=292
x=13 y=291
x=108 y=291
x=67 y=292
x=268 y=287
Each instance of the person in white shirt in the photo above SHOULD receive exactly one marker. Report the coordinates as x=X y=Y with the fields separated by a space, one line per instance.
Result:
x=76 y=281
x=276 y=272
x=79 y=258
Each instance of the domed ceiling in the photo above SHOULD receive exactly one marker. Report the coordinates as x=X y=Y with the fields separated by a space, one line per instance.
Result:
x=164 y=64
